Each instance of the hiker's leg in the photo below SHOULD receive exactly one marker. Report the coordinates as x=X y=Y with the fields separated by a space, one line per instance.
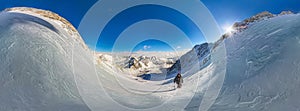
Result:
x=179 y=85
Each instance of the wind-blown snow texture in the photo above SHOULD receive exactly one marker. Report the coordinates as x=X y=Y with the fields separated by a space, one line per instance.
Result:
x=263 y=67
x=46 y=68
x=36 y=71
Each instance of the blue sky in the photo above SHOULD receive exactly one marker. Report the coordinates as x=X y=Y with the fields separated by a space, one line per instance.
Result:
x=154 y=44
x=226 y=12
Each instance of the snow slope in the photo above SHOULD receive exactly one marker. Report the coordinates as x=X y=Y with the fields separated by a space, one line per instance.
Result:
x=199 y=55
x=36 y=63
x=45 y=66
x=263 y=67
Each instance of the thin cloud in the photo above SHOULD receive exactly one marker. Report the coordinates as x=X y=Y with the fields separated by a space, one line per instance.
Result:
x=146 y=47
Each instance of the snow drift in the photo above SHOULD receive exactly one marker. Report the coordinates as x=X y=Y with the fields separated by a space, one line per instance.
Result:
x=36 y=62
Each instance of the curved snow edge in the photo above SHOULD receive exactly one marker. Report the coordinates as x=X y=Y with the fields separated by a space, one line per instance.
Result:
x=46 y=14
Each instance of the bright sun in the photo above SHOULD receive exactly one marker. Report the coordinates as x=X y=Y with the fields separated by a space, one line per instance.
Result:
x=228 y=29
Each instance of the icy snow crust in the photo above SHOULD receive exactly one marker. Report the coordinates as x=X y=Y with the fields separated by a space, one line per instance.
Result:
x=45 y=68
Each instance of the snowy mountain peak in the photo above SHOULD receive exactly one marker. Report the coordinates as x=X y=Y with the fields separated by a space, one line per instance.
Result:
x=137 y=64
x=239 y=26
x=286 y=12
x=199 y=57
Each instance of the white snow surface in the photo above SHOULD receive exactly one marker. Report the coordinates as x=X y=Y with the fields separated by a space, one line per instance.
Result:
x=36 y=64
x=45 y=68
x=263 y=64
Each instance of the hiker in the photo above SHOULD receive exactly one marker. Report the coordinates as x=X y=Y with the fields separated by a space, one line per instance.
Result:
x=178 y=80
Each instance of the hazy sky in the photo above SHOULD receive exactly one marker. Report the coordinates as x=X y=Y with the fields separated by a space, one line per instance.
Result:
x=226 y=12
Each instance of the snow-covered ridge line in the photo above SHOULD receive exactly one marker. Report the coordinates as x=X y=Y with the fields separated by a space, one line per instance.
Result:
x=39 y=51
x=243 y=25
x=262 y=64
x=240 y=26
x=65 y=24
x=199 y=55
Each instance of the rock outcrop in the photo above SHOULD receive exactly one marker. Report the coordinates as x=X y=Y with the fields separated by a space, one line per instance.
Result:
x=53 y=16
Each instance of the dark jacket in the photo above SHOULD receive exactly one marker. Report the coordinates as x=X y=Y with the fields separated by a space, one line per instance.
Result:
x=178 y=79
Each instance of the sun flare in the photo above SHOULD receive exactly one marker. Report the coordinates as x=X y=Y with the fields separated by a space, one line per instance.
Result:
x=228 y=29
